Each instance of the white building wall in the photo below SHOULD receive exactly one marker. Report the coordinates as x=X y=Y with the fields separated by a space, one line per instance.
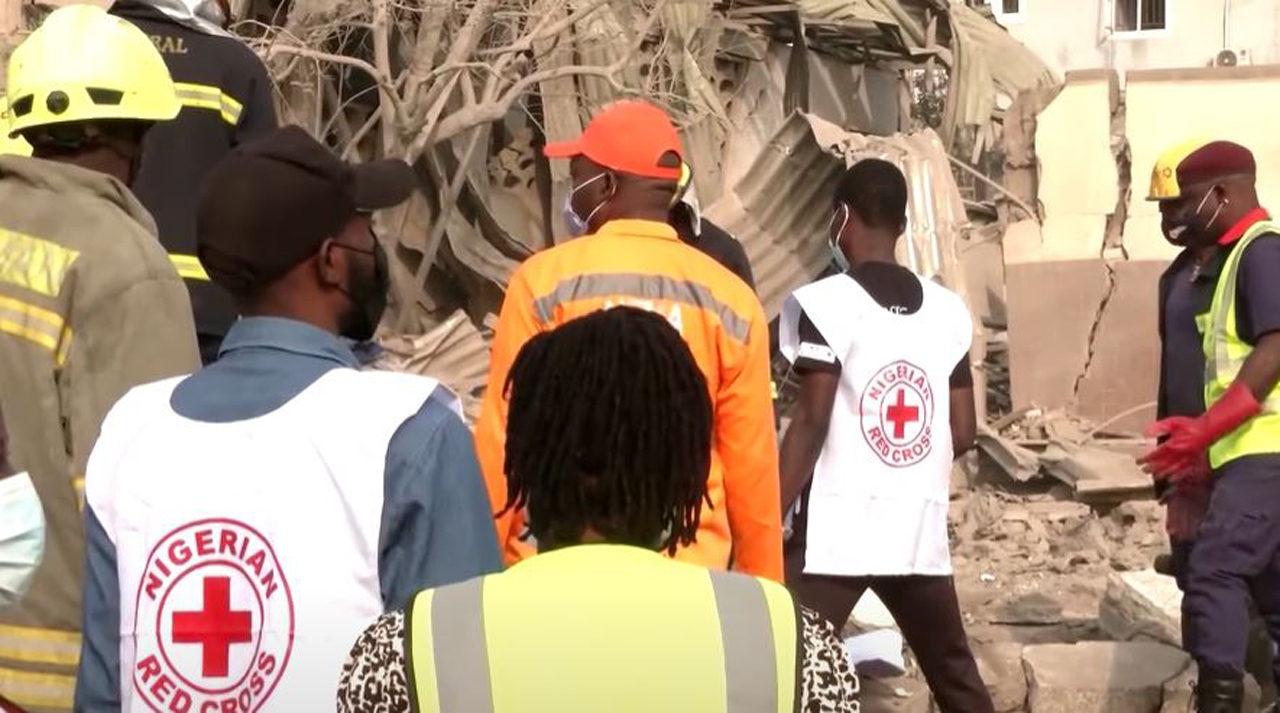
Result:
x=1077 y=34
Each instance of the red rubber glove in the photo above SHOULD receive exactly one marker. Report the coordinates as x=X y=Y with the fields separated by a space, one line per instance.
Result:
x=1189 y=438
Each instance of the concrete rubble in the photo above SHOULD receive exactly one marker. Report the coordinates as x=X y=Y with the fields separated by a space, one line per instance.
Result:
x=1142 y=605
x=1100 y=676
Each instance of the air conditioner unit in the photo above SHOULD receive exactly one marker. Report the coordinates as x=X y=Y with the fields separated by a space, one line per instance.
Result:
x=1233 y=58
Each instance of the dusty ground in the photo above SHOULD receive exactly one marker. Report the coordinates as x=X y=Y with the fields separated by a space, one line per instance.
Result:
x=1031 y=567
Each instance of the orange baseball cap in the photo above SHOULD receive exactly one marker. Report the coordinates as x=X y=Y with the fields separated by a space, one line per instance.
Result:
x=628 y=136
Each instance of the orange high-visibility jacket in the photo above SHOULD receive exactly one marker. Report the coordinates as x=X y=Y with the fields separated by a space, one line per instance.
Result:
x=644 y=264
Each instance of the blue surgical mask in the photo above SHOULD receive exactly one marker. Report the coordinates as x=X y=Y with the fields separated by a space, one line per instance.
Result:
x=574 y=223
x=833 y=239
x=21 y=536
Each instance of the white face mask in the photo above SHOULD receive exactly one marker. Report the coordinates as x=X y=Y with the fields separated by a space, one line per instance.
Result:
x=833 y=239
x=575 y=224
x=21 y=536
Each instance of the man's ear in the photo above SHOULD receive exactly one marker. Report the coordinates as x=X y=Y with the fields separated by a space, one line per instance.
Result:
x=331 y=265
x=609 y=184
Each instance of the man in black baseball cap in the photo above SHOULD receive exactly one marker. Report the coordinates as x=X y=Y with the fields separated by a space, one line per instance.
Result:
x=285 y=440
x=283 y=224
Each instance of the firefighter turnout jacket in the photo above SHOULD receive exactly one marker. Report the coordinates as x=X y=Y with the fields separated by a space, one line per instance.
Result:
x=639 y=263
x=90 y=306
x=226 y=99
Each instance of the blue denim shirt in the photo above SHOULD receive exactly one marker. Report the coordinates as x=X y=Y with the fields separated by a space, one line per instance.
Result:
x=437 y=525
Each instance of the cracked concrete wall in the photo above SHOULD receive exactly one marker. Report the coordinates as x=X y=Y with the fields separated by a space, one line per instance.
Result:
x=1079 y=179
x=1082 y=310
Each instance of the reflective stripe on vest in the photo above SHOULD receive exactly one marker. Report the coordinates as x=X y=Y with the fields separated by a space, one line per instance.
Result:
x=1225 y=352
x=189 y=267
x=201 y=96
x=449 y=668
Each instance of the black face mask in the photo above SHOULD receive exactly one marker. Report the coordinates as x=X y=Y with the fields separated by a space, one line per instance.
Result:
x=368 y=294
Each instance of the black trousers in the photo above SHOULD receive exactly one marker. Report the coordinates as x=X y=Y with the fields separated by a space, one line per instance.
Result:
x=927 y=612
x=1236 y=557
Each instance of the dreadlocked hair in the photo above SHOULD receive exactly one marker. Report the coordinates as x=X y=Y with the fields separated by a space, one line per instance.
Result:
x=609 y=428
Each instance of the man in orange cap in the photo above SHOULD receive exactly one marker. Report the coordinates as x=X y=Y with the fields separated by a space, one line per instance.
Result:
x=625 y=169
x=1219 y=406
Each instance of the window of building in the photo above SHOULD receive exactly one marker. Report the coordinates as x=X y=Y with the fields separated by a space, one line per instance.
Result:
x=1140 y=15
x=1007 y=10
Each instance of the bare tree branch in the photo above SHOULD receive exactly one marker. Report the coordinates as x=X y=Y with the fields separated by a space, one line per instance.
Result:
x=390 y=106
x=449 y=201
x=384 y=82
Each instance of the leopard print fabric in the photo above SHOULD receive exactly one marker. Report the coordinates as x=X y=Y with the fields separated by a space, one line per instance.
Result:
x=374 y=679
x=828 y=683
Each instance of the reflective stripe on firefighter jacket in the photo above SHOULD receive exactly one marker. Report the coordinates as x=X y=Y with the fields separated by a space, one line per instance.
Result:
x=1225 y=352
x=881 y=488
x=90 y=306
x=247 y=551
x=644 y=264
x=605 y=628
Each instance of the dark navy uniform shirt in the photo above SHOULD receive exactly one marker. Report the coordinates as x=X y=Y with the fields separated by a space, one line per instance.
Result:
x=1186 y=291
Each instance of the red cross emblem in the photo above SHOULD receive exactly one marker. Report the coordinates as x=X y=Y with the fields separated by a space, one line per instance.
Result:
x=900 y=414
x=897 y=414
x=213 y=619
x=215 y=628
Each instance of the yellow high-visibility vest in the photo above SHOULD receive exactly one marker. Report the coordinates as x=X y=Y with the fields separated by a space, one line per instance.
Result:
x=1224 y=354
x=605 y=628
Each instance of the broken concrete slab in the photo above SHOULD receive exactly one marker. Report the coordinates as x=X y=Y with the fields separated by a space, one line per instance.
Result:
x=1000 y=665
x=1100 y=676
x=1059 y=511
x=1096 y=473
x=1020 y=464
x=1142 y=605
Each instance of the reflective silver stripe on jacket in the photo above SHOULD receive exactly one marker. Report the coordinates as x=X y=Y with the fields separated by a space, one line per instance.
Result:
x=746 y=630
x=645 y=287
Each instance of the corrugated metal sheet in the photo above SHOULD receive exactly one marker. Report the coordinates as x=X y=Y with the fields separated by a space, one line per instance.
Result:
x=781 y=209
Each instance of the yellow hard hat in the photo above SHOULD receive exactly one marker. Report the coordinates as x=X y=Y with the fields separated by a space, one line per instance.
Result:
x=83 y=64
x=1164 y=177
x=15 y=146
x=1196 y=162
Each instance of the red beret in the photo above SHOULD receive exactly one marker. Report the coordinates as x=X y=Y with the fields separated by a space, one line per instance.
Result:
x=1215 y=160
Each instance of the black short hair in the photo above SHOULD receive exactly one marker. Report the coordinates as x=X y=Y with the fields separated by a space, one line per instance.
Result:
x=876 y=190
x=609 y=427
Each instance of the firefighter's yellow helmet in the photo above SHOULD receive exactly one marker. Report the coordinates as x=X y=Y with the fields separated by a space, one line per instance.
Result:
x=1164 y=176
x=16 y=146
x=83 y=64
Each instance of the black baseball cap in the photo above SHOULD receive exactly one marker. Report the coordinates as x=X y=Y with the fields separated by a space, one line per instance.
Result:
x=271 y=202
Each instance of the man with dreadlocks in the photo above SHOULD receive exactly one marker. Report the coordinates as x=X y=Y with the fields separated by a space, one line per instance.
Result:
x=609 y=450
x=625 y=169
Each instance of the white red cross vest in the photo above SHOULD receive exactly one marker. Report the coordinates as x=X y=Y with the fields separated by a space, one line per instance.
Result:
x=247 y=552
x=878 y=503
